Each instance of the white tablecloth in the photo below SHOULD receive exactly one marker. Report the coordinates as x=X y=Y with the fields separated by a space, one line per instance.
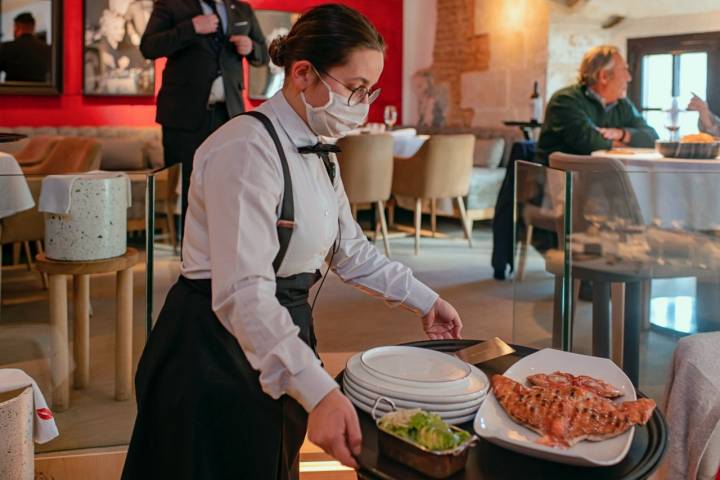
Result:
x=675 y=192
x=15 y=194
x=44 y=427
x=407 y=142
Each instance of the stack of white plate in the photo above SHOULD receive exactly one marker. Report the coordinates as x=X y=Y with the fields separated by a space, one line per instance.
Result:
x=415 y=378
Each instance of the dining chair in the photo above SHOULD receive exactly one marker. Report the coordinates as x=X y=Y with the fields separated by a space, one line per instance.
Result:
x=36 y=150
x=26 y=227
x=166 y=198
x=601 y=186
x=692 y=407
x=69 y=155
x=440 y=169
x=366 y=168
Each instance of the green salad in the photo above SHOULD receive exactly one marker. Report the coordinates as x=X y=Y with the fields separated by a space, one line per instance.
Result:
x=423 y=428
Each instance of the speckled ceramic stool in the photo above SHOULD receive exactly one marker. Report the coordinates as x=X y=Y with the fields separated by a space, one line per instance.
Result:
x=95 y=228
x=16 y=435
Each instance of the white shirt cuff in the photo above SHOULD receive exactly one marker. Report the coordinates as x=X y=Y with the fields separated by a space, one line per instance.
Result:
x=420 y=297
x=310 y=386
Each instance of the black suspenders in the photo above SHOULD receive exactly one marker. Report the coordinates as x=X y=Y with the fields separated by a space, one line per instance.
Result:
x=286 y=221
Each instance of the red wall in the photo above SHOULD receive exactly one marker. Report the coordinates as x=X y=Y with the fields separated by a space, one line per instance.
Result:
x=71 y=108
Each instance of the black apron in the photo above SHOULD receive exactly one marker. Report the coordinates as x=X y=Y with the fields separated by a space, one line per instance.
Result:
x=202 y=413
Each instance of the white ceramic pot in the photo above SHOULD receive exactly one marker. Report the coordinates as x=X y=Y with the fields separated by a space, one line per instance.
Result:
x=16 y=435
x=96 y=226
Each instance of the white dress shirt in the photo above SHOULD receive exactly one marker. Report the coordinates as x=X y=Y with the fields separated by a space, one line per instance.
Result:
x=230 y=237
x=217 y=89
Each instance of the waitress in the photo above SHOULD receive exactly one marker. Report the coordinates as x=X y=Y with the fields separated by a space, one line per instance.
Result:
x=230 y=380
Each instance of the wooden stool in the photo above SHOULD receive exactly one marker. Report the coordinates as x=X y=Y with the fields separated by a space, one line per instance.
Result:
x=59 y=357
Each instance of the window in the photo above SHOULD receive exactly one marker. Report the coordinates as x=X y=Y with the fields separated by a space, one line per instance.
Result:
x=675 y=66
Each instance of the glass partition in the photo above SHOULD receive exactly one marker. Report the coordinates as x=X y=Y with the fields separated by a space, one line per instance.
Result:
x=78 y=327
x=642 y=260
x=541 y=285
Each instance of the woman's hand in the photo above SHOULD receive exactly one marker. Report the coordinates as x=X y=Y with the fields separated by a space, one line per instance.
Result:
x=442 y=322
x=697 y=104
x=333 y=426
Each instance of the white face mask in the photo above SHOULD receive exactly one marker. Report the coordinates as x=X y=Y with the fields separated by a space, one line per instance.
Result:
x=336 y=117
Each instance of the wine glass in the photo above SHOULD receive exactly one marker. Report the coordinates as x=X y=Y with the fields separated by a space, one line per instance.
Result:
x=390 y=116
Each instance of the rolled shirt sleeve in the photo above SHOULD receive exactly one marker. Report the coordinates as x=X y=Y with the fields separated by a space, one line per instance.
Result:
x=242 y=185
x=359 y=263
x=712 y=126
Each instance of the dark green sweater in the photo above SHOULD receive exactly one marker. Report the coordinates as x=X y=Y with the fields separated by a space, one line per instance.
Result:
x=572 y=116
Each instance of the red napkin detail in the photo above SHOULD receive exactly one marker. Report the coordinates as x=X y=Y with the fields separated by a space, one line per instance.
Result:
x=44 y=413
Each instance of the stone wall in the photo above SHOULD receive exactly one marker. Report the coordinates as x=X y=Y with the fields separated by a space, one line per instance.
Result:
x=486 y=56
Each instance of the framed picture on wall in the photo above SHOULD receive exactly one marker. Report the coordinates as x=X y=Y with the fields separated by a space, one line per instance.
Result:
x=265 y=81
x=30 y=47
x=112 y=62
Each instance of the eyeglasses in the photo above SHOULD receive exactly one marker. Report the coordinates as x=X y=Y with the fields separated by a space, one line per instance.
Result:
x=357 y=95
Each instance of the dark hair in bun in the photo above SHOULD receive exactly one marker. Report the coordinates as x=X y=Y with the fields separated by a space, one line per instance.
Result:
x=277 y=50
x=325 y=36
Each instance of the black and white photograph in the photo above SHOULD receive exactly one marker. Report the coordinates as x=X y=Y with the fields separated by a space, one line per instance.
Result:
x=113 y=64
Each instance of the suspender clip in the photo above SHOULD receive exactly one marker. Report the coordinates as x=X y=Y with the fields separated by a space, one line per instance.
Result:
x=286 y=224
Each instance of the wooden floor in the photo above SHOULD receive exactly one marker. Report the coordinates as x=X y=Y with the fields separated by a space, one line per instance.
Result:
x=346 y=319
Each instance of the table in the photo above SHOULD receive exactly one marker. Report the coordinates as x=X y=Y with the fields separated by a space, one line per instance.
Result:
x=15 y=196
x=59 y=357
x=487 y=461
x=673 y=190
x=602 y=275
x=406 y=142
x=7 y=137
x=526 y=127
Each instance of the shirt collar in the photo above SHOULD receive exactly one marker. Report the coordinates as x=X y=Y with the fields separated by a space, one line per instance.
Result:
x=593 y=94
x=294 y=126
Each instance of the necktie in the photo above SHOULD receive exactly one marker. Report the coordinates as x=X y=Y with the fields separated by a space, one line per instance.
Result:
x=218 y=37
x=323 y=150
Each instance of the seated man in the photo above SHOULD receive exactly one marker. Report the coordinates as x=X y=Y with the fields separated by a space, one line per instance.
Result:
x=594 y=114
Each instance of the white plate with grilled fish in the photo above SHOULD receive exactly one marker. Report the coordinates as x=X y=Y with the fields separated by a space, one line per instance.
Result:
x=579 y=425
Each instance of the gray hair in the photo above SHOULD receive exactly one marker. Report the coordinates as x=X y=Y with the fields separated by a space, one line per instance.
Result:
x=595 y=61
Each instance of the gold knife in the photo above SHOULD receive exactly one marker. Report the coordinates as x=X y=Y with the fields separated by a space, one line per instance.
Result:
x=484 y=351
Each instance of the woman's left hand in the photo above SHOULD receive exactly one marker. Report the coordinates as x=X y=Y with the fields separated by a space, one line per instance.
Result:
x=442 y=322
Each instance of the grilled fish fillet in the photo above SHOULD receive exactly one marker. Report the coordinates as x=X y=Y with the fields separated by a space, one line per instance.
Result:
x=558 y=379
x=565 y=415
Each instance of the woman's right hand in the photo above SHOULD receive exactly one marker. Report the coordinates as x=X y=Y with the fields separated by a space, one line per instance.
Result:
x=697 y=104
x=333 y=426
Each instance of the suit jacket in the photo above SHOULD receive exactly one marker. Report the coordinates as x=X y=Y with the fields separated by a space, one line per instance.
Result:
x=27 y=58
x=192 y=62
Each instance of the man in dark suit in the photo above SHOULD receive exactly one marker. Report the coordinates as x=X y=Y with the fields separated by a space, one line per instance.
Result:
x=26 y=58
x=205 y=42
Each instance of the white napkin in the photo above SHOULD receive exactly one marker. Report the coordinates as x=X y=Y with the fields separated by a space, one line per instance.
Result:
x=44 y=428
x=56 y=193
